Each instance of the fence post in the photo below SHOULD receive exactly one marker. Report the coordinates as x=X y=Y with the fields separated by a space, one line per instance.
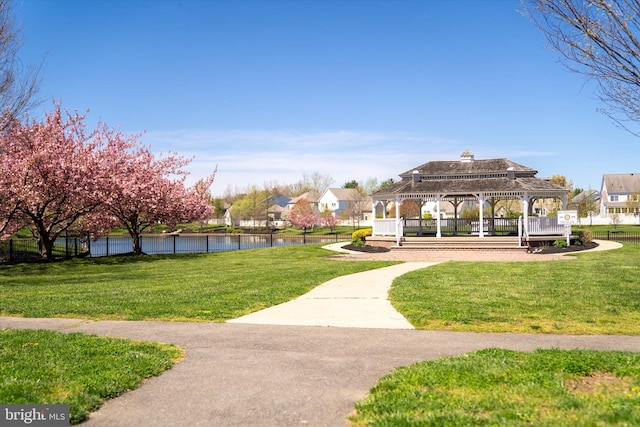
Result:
x=174 y=244
x=11 y=250
x=238 y=241
x=107 y=244
x=207 y=243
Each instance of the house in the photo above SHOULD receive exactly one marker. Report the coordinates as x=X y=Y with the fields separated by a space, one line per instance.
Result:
x=311 y=196
x=346 y=203
x=277 y=208
x=616 y=191
x=263 y=213
x=278 y=200
x=587 y=203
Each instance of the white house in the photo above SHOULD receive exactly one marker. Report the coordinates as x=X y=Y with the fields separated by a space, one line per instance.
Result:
x=346 y=203
x=616 y=191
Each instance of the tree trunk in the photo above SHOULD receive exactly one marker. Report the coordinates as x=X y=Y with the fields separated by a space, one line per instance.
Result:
x=137 y=245
x=45 y=244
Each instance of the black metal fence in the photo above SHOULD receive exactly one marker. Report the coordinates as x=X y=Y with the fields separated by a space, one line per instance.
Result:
x=26 y=249
x=621 y=236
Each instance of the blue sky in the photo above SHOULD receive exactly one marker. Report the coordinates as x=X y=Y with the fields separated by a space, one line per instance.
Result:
x=272 y=89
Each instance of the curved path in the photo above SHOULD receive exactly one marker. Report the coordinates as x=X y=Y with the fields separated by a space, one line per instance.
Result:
x=355 y=301
x=237 y=374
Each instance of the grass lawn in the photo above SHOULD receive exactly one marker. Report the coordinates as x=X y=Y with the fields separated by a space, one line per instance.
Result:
x=625 y=228
x=75 y=369
x=553 y=388
x=198 y=287
x=597 y=293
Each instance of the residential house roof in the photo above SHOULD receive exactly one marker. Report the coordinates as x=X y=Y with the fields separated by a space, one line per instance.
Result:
x=621 y=183
x=311 y=196
x=278 y=199
x=344 y=193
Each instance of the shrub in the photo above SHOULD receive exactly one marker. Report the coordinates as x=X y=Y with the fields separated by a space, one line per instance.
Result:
x=560 y=244
x=357 y=242
x=361 y=234
x=586 y=236
x=359 y=237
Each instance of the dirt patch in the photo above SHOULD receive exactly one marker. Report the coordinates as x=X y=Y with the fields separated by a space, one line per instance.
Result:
x=598 y=383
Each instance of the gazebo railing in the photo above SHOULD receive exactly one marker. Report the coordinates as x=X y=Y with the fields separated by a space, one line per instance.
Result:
x=384 y=227
x=461 y=227
x=544 y=225
x=466 y=227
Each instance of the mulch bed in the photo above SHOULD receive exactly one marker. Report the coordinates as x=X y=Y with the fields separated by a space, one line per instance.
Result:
x=550 y=249
x=366 y=248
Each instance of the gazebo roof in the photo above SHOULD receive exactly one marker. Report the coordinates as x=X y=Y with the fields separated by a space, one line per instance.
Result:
x=471 y=186
x=467 y=177
x=437 y=169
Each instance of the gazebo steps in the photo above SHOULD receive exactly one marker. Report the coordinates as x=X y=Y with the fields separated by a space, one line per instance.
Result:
x=459 y=243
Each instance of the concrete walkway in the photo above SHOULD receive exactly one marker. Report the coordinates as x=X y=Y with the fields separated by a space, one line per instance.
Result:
x=357 y=300
x=273 y=376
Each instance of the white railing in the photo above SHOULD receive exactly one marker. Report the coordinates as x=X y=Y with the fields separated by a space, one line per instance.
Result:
x=544 y=225
x=384 y=227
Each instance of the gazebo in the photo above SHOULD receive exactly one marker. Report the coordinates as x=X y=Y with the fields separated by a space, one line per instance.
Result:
x=467 y=180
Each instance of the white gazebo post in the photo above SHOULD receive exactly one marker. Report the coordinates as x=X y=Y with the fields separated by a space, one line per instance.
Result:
x=438 y=226
x=481 y=205
x=398 y=219
x=373 y=217
x=525 y=209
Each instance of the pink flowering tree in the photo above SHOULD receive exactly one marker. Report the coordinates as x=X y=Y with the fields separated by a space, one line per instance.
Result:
x=48 y=176
x=144 y=190
x=327 y=219
x=55 y=176
x=302 y=215
x=9 y=188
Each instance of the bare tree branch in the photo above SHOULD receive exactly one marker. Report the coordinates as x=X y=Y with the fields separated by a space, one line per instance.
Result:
x=600 y=39
x=18 y=83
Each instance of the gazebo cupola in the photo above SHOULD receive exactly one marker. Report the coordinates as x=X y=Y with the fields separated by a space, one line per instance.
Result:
x=466 y=156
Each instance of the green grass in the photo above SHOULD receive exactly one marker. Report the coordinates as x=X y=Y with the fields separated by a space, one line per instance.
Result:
x=199 y=287
x=47 y=367
x=626 y=228
x=553 y=388
x=597 y=293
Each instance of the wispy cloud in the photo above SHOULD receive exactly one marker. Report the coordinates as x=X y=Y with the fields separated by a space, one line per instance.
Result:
x=258 y=156
x=248 y=157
